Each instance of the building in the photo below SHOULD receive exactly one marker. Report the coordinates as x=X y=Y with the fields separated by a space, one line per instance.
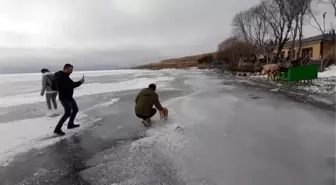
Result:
x=315 y=48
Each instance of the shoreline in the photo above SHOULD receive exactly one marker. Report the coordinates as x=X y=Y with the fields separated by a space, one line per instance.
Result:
x=319 y=100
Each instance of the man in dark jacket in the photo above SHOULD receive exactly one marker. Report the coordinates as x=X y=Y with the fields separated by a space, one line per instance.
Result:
x=144 y=104
x=65 y=87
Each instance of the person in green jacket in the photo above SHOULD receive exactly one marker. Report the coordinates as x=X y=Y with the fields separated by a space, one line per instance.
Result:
x=144 y=104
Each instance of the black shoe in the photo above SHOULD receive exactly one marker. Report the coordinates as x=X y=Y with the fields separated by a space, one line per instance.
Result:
x=71 y=126
x=59 y=132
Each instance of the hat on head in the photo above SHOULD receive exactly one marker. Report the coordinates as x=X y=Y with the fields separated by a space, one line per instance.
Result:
x=44 y=70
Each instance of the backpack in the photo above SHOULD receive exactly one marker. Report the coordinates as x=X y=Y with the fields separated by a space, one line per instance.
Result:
x=53 y=83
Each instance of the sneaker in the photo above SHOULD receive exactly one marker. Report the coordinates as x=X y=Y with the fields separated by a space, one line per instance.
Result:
x=144 y=122
x=59 y=132
x=72 y=126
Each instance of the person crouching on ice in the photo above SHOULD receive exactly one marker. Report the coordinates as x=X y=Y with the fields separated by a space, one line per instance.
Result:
x=144 y=104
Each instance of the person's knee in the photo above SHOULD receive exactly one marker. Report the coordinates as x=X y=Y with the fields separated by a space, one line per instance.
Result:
x=48 y=100
x=75 y=110
x=67 y=114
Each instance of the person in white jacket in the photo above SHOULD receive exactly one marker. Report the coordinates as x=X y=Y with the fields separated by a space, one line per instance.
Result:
x=47 y=79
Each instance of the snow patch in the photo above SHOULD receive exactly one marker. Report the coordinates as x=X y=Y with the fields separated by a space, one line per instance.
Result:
x=330 y=72
x=321 y=86
x=21 y=136
x=325 y=84
x=106 y=104
x=275 y=90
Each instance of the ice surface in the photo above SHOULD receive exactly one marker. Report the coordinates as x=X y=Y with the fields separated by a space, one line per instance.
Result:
x=165 y=140
x=24 y=77
x=320 y=99
x=106 y=104
x=86 y=89
x=20 y=136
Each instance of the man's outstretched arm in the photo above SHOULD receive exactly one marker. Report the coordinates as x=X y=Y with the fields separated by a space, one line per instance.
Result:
x=76 y=84
x=157 y=103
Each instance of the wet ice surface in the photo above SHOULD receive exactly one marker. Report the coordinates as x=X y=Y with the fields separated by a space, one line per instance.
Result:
x=218 y=132
x=24 y=122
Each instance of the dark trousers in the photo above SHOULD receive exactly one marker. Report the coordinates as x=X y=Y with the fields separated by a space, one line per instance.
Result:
x=70 y=110
x=153 y=112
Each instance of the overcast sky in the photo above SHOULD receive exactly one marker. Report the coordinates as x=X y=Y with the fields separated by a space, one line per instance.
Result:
x=115 y=31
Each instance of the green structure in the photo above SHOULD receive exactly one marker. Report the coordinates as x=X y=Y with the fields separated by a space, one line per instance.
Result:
x=216 y=63
x=300 y=73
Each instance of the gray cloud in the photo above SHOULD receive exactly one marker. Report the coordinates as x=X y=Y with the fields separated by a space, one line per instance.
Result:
x=119 y=32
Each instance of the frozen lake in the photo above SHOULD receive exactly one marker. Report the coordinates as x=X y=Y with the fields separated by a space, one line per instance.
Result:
x=219 y=131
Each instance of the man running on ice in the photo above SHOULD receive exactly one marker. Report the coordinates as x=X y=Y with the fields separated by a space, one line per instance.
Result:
x=144 y=104
x=66 y=89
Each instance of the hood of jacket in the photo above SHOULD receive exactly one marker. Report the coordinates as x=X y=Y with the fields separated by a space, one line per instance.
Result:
x=48 y=74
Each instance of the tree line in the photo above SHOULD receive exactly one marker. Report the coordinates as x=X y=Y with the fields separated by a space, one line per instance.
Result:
x=266 y=27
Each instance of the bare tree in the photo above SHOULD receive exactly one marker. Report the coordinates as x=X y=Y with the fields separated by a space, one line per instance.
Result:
x=239 y=25
x=227 y=43
x=303 y=19
x=317 y=25
x=298 y=9
x=294 y=31
x=331 y=2
x=280 y=19
x=313 y=15
x=232 y=49
x=269 y=24
x=253 y=28
x=251 y=25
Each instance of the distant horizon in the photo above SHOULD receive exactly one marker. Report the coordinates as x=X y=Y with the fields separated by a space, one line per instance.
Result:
x=22 y=70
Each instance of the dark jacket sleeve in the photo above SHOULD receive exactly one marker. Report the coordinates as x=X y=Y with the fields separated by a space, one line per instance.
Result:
x=66 y=83
x=157 y=102
x=76 y=84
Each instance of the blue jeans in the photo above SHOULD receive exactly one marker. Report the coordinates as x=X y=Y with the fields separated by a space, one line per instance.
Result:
x=70 y=110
